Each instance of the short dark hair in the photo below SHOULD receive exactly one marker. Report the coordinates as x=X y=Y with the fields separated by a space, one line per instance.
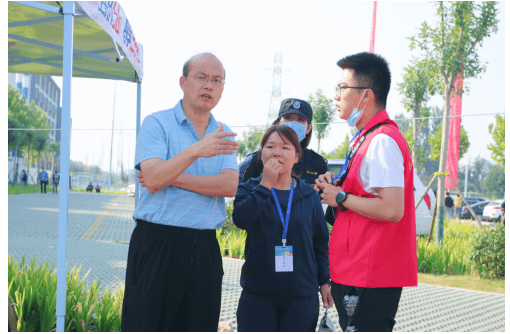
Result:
x=187 y=65
x=290 y=135
x=371 y=70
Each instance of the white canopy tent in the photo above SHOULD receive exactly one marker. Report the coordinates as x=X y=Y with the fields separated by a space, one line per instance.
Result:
x=42 y=41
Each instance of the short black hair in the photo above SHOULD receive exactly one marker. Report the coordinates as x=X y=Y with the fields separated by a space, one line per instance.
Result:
x=187 y=64
x=371 y=70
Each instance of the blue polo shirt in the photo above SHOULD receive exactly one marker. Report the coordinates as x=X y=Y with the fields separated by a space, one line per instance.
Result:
x=163 y=135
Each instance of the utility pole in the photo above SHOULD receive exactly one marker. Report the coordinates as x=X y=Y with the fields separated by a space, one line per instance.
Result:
x=466 y=179
x=111 y=146
x=276 y=96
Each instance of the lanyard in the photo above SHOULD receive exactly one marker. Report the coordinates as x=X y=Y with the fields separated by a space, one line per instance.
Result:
x=285 y=222
x=348 y=156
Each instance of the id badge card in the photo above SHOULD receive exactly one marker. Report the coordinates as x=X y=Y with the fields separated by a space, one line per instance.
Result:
x=284 y=259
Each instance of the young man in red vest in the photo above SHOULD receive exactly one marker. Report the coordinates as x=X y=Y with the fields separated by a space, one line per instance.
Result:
x=372 y=251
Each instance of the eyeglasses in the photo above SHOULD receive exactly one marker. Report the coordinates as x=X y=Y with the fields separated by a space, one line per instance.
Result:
x=339 y=89
x=203 y=79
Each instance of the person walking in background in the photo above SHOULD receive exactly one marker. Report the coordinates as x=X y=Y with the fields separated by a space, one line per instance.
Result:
x=187 y=165
x=286 y=245
x=458 y=206
x=24 y=177
x=56 y=180
x=296 y=114
x=448 y=203
x=372 y=250
x=43 y=179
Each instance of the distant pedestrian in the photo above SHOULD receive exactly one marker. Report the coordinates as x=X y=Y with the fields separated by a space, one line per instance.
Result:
x=448 y=203
x=24 y=177
x=458 y=206
x=56 y=180
x=98 y=188
x=43 y=179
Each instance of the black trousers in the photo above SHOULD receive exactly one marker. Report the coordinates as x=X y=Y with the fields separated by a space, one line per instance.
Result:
x=375 y=312
x=173 y=280
x=43 y=183
x=258 y=313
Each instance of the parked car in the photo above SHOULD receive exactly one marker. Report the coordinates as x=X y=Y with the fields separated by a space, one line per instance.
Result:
x=130 y=190
x=474 y=199
x=477 y=208
x=424 y=210
x=492 y=212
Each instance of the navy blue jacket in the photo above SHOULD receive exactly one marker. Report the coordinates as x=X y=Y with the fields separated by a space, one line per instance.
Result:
x=255 y=211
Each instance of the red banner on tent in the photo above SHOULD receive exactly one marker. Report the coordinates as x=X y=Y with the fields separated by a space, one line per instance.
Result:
x=452 y=159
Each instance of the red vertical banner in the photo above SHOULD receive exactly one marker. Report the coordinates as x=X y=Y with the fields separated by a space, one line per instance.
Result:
x=452 y=159
x=372 y=33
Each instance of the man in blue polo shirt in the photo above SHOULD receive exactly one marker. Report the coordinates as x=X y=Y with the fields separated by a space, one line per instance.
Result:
x=187 y=166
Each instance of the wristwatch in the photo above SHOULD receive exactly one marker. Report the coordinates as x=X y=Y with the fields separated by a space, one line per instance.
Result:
x=340 y=198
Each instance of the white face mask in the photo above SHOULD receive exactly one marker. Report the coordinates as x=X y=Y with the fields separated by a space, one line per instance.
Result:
x=297 y=127
x=356 y=114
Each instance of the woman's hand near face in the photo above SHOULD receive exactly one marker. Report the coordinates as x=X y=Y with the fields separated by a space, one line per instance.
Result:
x=270 y=173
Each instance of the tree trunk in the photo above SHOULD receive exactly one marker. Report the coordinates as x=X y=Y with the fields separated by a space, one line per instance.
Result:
x=442 y=162
x=28 y=164
x=318 y=146
x=415 y=136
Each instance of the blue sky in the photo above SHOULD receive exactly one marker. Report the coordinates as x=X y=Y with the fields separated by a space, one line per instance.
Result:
x=245 y=36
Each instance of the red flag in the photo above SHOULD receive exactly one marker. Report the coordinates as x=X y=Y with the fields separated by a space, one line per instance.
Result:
x=372 y=34
x=452 y=159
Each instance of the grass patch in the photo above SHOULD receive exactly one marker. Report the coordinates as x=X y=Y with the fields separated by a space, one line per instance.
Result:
x=468 y=282
x=103 y=191
x=15 y=189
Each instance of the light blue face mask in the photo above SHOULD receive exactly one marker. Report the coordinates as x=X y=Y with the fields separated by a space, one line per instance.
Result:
x=356 y=114
x=298 y=128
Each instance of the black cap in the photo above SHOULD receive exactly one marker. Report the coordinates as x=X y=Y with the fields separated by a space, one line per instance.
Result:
x=296 y=106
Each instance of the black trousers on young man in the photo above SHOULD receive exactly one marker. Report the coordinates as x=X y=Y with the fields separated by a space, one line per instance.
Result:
x=173 y=280
x=375 y=312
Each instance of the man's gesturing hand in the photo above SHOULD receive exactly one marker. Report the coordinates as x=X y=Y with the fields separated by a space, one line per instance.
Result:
x=214 y=144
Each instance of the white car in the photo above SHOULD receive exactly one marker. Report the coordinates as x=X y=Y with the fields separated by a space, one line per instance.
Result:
x=424 y=210
x=492 y=211
x=130 y=191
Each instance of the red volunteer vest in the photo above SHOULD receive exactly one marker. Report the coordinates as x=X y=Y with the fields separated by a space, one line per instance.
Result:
x=371 y=253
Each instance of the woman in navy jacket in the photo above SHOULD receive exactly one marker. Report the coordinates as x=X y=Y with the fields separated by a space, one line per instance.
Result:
x=280 y=281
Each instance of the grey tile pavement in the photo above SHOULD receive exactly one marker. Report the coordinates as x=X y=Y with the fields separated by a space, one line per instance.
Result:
x=100 y=226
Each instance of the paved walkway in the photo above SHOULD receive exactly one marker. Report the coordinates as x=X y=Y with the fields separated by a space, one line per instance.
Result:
x=99 y=225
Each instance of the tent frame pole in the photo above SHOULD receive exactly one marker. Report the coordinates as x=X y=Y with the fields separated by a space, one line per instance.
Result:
x=138 y=109
x=67 y=74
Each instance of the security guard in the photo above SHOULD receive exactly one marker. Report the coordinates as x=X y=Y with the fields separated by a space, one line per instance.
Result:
x=296 y=114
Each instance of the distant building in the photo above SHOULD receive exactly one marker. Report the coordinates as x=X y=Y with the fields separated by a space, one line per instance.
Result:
x=46 y=95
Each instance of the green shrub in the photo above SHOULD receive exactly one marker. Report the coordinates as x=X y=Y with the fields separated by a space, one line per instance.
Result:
x=488 y=252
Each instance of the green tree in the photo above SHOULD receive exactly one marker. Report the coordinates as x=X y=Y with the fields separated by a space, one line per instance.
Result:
x=323 y=112
x=54 y=149
x=435 y=143
x=339 y=152
x=478 y=171
x=419 y=83
x=498 y=135
x=251 y=141
x=21 y=116
x=494 y=183
x=451 y=46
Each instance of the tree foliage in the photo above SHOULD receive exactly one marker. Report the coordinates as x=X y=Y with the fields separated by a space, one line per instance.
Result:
x=251 y=141
x=435 y=143
x=339 y=152
x=494 y=183
x=498 y=135
x=21 y=116
x=420 y=82
x=323 y=112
